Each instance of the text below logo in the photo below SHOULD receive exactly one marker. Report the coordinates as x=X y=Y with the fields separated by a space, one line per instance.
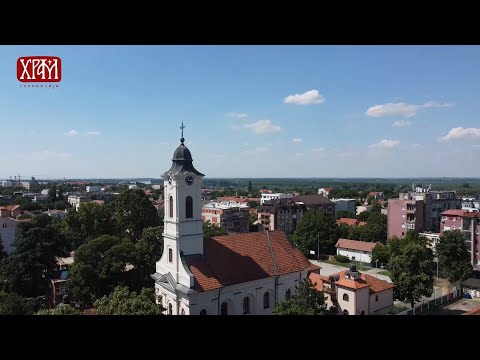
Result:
x=39 y=69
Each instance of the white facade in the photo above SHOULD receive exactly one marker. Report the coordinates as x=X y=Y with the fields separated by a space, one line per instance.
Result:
x=93 y=188
x=6 y=184
x=75 y=201
x=26 y=185
x=45 y=192
x=363 y=208
x=357 y=255
x=324 y=191
x=434 y=239
x=268 y=197
x=8 y=231
x=133 y=186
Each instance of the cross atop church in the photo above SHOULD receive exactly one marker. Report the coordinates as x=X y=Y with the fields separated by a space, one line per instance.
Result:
x=182 y=127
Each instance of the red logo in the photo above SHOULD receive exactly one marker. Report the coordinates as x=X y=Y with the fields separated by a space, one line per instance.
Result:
x=39 y=69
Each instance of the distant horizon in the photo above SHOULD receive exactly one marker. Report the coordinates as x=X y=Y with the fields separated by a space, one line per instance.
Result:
x=271 y=111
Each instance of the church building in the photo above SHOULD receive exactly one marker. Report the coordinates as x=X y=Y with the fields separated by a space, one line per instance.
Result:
x=228 y=275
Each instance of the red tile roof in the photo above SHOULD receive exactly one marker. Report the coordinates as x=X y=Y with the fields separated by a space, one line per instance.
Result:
x=362 y=223
x=235 y=259
x=318 y=280
x=375 y=285
x=454 y=212
x=98 y=202
x=349 y=222
x=356 y=245
x=373 y=193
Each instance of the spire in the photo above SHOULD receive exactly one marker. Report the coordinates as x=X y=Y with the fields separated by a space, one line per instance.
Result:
x=182 y=127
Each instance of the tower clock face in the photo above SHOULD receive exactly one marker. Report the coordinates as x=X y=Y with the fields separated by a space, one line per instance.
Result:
x=189 y=180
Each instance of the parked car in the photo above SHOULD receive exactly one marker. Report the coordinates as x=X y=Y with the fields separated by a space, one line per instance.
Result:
x=467 y=296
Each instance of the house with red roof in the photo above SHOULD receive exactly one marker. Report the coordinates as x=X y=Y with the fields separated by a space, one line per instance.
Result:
x=238 y=274
x=356 y=250
x=350 y=222
x=355 y=293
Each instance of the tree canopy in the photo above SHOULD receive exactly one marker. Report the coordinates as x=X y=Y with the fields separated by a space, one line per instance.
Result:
x=317 y=228
x=123 y=302
x=61 y=309
x=453 y=256
x=211 y=230
x=345 y=214
x=411 y=268
x=14 y=304
x=306 y=301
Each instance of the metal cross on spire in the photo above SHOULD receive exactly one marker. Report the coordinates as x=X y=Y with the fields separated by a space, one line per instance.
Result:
x=182 y=127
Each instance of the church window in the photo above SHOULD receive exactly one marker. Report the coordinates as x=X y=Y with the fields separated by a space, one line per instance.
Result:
x=266 y=300
x=182 y=312
x=345 y=312
x=246 y=305
x=170 y=309
x=203 y=312
x=170 y=205
x=345 y=297
x=224 y=309
x=170 y=255
x=189 y=207
x=288 y=294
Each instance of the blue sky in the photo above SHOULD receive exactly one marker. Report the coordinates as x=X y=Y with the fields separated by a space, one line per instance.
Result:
x=249 y=111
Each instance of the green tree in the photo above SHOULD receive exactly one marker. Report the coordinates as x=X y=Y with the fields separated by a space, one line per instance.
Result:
x=3 y=253
x=211 y=230
x=453 y=256
x=344 y=231
x=133 y=213
x=376 y=207
x=411 y=270
x=148 y=250
x=91 y=221
x=363 y=216
x=345 y=214
x=61 y=309
x=316 y=229
x=100 y=266
x=33 y=259
x=306 y=301
x=60 y=194
x=249 y=187
x=123 y=302
x=380 y=253
x=13 y=304
x=52 y=194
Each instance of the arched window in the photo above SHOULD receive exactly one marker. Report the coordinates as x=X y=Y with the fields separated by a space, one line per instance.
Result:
x=362 y=313
x=170 y=206
x=189 y=207
x=288 y=294
x=170 y=255
x=345 y=297
x=170 y=309
x=203 y=312
x=246 y=305
x=376 y=297
x=345 y=312
x=182 y=312
x=224 y=308
x=266 y=300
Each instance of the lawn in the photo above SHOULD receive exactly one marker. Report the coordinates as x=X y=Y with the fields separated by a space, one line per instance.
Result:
x=384 y=272
x=347 y=265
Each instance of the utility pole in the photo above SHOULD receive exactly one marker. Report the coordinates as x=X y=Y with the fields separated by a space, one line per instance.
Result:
x=318 y=247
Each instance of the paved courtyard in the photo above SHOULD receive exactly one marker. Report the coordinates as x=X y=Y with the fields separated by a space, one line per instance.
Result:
x=329 y=269
x=458 y=307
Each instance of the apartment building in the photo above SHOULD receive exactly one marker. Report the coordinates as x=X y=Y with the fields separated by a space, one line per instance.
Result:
x=316 y=202
x=274 y=196
x=229 y=215
x=282 y=214
x=345 y=204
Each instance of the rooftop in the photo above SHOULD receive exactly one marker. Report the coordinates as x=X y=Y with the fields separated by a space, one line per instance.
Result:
x=224 y=256
x=225 y=205
x=365 y=280
x=356 y=245
x=312 y=199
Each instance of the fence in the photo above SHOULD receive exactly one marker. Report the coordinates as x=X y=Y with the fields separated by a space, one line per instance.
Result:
x=453 y=293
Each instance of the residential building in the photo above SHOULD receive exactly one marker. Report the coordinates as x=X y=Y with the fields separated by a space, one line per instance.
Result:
x=316 y=202
x=282 y=214
x=274 y=196
x=355 y=293
x=242 y=200
x=377 y=195
x=345 y=205
x=324 y=191
x=405 y=215
x=58 y=289
x=8 y=231
x=75 y=201
x=229 y=215
x=356 y=250
x=470 y=203
x=224 y=275
x=11 y=211
x=25 y=185
x=350 y=222
x=362 y=208
x=433 y=239
x=472 y=286
x=469 y=224
x=93 y=188
x=6 y=184
x=157 y=187
x=40 y=199
x=59 y=214
x=45 y=192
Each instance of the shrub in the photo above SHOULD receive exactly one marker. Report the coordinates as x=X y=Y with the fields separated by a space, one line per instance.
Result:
x=342 y=258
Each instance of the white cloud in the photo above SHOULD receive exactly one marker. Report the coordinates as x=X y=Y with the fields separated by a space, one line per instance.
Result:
x=94 y=133
x=318 y=150
x=461 y=133
x=263 y=127
x=385 y=144
x=307 y=98
x=402 y=123
x=236 y=115
x=402 y=109
x=297 y=140
x=72 y=133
